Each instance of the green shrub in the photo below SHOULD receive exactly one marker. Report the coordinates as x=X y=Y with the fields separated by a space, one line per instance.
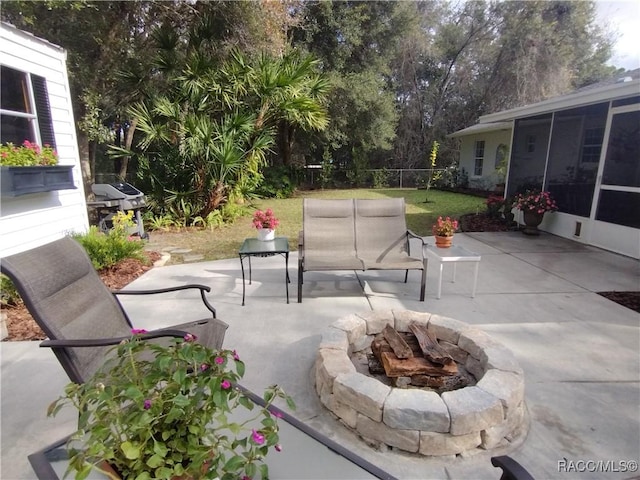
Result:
x=8 y=293
x=157 y=222
x=279 y=182
x=105 y=250
x=381 y=178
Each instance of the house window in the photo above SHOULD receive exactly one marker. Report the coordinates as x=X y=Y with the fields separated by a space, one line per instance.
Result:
x=531 y=143
x=479 y=158
x=592 y=145
x=24 y=109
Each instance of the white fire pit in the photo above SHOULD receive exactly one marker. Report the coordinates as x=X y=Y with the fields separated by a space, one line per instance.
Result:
x=487 y=415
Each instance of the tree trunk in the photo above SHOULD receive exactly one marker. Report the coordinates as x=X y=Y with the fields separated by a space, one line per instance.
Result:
x=128 y=141
x=85 y=164
x=286 y=133
x=217 y=197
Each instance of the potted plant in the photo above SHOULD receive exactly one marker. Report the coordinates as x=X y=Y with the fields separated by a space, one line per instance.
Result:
x=165 y=412
x=443 y=230
x=31 y=169
x=266 y=223
x=534 y=204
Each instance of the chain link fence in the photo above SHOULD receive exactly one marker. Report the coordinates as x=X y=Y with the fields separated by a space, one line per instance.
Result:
x=315 y=177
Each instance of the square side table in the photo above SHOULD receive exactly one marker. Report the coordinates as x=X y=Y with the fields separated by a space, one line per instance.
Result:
x=454 y=254
x=252 y=247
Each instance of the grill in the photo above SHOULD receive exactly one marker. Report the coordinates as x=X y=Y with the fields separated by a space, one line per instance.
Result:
x=114 y=197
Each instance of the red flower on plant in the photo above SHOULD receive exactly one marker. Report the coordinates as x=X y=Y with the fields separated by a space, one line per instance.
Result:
x=266 y=219
x=535 y=201
x=444 y=227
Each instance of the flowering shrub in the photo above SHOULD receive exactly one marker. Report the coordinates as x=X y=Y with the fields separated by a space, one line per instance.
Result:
x=266 y=219
x=444 y=228
x=28 y=154
x=535 y=201
x=494 y=203
x=165 y=411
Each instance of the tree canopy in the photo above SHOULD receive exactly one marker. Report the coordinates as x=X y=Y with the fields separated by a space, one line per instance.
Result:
x=356 y=84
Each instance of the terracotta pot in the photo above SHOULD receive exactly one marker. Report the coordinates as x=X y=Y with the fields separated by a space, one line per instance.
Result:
x=443 y=242
x=531 y=222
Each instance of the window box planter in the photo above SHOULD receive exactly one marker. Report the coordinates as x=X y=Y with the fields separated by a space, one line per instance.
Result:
x=16 y=181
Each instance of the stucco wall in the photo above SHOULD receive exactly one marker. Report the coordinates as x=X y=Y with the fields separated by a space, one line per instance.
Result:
x=31 y=220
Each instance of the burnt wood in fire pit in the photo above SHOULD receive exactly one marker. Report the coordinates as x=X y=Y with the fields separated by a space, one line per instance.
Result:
x=416 y=364
x=430 y=346
x=397 y=343
x=407 y=367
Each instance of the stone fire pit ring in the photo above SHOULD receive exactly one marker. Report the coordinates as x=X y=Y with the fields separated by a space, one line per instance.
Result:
x=487 y=415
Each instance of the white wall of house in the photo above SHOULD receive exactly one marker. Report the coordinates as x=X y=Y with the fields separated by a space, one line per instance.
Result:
x=622 y=98
x=493 y=136
x=31 y=220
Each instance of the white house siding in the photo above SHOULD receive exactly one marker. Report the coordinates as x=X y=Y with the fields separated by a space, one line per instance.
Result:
x=586 y=229
x=28 y=221
x=492 y=140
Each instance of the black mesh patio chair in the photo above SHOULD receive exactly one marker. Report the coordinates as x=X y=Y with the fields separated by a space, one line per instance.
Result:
x=81 y=317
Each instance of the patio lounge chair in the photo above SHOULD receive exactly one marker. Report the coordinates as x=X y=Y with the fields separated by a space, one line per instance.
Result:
x=80 y=315
x=356 y=234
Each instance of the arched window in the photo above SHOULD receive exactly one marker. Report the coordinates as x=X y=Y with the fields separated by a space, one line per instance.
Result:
x=501 y=155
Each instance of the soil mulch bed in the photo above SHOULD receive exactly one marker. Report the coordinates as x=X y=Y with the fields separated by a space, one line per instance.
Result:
x=20 y=324
x=626 y=299
x=481 y=222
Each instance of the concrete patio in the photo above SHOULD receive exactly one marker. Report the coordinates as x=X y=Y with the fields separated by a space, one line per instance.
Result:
x=580 y=352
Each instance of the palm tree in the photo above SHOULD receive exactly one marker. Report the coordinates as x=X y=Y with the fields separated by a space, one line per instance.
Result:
x=207 y=131
x=292 y=95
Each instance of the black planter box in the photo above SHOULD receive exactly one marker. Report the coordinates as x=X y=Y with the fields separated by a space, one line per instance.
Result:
x=16 y=181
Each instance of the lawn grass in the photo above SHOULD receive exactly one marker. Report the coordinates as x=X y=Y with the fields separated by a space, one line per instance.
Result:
x=224 y=242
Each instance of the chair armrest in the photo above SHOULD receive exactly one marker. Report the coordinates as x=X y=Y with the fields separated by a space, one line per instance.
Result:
x=415 y=235
x=511 y=469
x=202 y=288
x=411 y=234
x=162 y=290
x=103 y=342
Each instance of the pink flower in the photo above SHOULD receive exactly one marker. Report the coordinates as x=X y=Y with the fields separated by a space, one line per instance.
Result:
x=219 y=360
x=147 y=404
x=236 y=357
x=225 y=385
x=257 y=437
x=265 y=219
x=278 y=447
x=190 y=337
x=444 y=228
x=138 y=331
x=204 y=367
